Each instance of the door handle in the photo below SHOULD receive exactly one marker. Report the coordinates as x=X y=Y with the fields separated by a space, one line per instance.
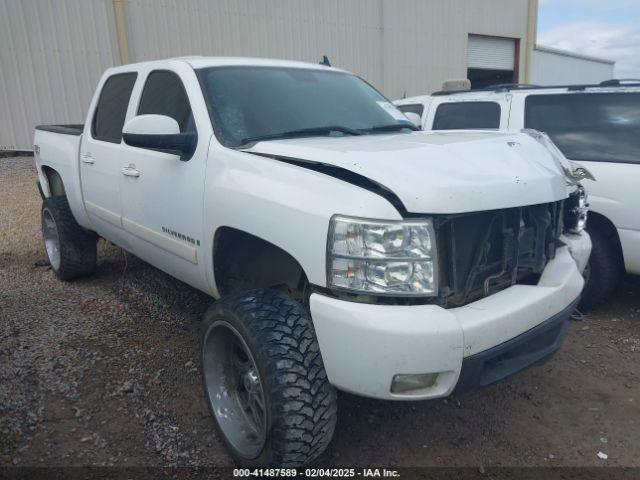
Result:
x=130 y=171
x=87 y=158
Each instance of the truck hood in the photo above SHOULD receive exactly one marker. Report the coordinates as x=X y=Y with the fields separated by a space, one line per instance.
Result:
x=439 y=172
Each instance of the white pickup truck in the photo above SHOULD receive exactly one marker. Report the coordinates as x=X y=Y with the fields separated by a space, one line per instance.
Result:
x=348 y=250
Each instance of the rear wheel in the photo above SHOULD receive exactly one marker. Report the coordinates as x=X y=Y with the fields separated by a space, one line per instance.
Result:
x=265 y=381
x=603 y=271
x=71 y=250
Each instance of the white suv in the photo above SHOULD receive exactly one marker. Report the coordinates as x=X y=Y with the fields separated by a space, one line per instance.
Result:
x=595 y=124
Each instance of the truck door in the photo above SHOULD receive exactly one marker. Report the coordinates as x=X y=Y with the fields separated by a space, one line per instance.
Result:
x=100 y=152
x=162 y=195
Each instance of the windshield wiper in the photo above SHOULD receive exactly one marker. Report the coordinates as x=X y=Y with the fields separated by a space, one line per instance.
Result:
x=392 y=127
x=303 y=132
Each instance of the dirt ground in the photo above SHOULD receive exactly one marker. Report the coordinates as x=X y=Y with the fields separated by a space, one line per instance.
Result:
x=105 y=371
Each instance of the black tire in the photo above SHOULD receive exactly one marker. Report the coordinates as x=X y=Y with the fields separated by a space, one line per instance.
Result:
x=76 y=248
x=301 y=406
x=603 y=272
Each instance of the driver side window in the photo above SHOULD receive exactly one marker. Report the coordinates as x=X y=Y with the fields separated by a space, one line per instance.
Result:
x=164 y=94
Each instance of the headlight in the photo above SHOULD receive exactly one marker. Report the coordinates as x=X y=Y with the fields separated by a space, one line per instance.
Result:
x=384 y=258
x=576 y=209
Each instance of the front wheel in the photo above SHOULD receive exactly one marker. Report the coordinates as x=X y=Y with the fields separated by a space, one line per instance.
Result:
x=265 y=381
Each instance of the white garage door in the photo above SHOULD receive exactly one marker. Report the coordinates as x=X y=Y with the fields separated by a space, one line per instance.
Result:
x=492 y=53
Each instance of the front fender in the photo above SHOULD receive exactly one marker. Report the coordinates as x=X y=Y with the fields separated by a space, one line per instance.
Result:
x=286 y=205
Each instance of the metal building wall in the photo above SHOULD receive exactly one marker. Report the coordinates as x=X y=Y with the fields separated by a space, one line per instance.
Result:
x=397 y=45
x=348 y=32
x=554 y=67
x=52 y=53
x=425 y=41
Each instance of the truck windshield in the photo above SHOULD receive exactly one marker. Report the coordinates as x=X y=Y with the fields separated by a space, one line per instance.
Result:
x=249 y=104
x=601 y=127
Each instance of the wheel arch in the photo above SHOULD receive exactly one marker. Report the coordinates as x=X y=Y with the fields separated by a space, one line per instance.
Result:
x=55 y=185
x=601 y=223
x=243 y=261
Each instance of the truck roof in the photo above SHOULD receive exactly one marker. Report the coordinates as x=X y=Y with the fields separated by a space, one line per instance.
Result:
x=197 y=62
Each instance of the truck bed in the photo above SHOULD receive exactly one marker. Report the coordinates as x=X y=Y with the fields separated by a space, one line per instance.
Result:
x=71 y=129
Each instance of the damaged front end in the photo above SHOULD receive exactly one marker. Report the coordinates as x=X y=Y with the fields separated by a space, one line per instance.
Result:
x=574 y=172
x=481 y=253
x=485 y=252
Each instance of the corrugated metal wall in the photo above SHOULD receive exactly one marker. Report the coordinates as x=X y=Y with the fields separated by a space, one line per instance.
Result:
x=347 y=31
x=52 y=52
x=425 y=41
x=552 y=68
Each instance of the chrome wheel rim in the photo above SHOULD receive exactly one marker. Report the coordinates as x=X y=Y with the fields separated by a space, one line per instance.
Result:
x=51 y=239
x=234 y=389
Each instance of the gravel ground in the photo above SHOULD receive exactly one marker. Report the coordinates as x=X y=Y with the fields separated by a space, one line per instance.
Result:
x=105 y=371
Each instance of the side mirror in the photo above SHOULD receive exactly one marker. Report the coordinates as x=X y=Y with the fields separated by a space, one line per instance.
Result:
x=160 y=133
x=414 y=118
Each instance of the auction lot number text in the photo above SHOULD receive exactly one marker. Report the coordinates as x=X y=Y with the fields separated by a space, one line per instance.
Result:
x=315 y=473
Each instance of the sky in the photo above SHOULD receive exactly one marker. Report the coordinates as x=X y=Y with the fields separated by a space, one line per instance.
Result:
x=603 y=28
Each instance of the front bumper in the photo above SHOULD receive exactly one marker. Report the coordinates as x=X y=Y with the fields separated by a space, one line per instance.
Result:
x=502 y=361
x=364 y=346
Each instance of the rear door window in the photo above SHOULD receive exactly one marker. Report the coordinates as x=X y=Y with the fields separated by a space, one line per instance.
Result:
x=111 y=110
x=467 y=116
x=602 y=127
x=164 y=94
